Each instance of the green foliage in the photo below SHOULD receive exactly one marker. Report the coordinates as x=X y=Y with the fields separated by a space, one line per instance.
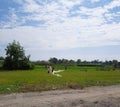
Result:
x=66 y=62
x=15 y=57
x=1 y=61
x=53 y=60
x=1 y=58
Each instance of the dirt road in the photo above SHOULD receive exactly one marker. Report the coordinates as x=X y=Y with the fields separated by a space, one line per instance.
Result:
x=108 y=96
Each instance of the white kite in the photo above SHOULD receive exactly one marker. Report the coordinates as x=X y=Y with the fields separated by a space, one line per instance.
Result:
x=55 y=73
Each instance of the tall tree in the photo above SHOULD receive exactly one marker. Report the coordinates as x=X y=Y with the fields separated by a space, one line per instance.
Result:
x=15 y=57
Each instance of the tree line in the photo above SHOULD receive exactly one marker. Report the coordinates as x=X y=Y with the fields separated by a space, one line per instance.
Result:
x=78 y=62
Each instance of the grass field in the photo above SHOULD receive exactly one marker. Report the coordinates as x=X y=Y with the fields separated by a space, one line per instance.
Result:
x=39 y=80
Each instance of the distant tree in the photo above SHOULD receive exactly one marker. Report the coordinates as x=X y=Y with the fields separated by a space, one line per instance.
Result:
x=53 y=60
x=59 y=61
x=72 y=62
x=1 y=58
x=118 y=64
x=115 y=64
x=95 y=62
x=15 y=57
x=78 y=62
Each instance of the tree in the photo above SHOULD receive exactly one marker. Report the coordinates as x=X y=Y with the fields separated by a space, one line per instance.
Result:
x=53 y=60
x=1 y=58
x=115 y=64
x=78 y=62
x=72 y=62
x=15 y=57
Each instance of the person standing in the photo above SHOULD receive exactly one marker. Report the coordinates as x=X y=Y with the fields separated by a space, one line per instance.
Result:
x=50 y=69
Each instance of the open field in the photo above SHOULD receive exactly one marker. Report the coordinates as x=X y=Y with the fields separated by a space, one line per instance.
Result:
x=74 y=77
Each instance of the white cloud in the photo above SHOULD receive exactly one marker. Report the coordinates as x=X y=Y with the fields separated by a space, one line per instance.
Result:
x=55 y=10
x=93 y=1
x=63 y=36
x=61 y=31
x=70 y=3
x=113 y=4
x=31 y=6
x=12 y=20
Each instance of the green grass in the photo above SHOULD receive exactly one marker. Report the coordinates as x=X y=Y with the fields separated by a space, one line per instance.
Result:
x=39 y=80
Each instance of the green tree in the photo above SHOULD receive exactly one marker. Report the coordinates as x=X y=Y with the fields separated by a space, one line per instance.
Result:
x=53 y=60
x=78 y=61
x=15 y=57
x=1 y=58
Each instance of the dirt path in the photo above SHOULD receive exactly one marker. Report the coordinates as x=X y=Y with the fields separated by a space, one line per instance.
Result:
x=89 y=97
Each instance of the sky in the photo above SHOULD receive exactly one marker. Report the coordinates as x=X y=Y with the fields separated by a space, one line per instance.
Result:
x=71 y=29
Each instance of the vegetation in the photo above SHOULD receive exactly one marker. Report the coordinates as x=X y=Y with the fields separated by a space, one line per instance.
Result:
x=15 y=57
x=74 y=77
x=77 y=74
x=54 y=61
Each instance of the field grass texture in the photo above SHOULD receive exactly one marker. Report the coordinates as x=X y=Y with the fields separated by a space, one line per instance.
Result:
x=74 y=77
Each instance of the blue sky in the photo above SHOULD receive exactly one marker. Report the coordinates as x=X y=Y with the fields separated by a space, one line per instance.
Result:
x=72 y=29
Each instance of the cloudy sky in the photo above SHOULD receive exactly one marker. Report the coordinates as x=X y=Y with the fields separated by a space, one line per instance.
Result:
x=72 y=29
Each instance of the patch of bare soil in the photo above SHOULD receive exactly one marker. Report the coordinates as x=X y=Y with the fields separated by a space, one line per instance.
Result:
x=108 y=96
